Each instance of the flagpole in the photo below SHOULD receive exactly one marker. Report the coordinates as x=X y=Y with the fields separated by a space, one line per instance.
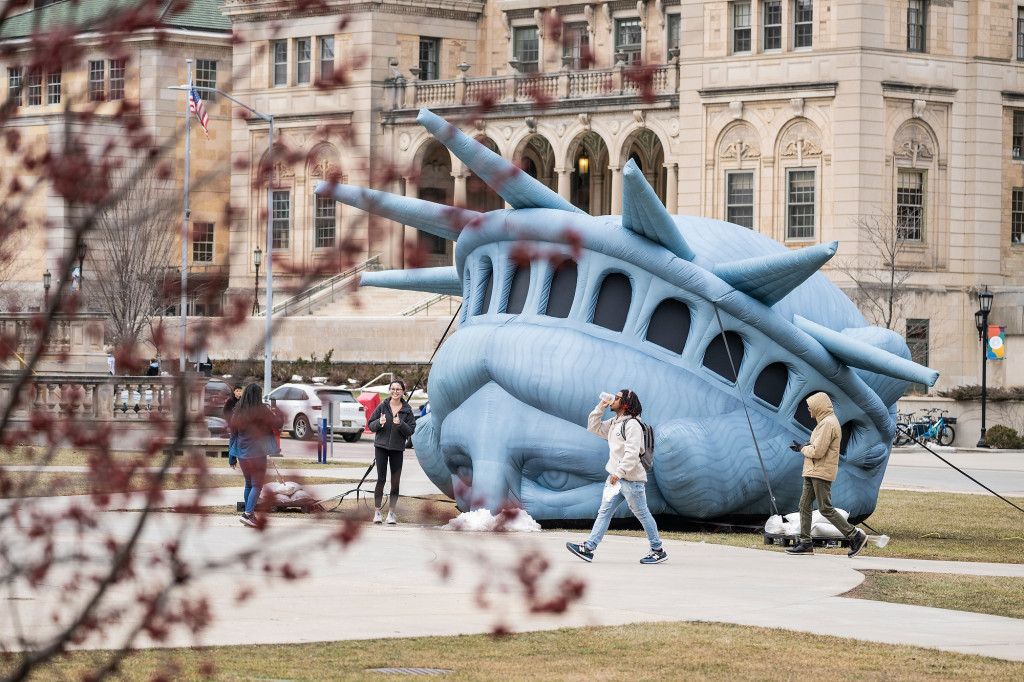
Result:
x=184 y=219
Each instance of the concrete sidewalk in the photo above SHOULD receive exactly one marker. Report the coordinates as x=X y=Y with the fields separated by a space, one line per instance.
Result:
x=404 y=581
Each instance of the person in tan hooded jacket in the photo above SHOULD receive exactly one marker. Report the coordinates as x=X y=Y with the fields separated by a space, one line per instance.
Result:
x=821 y=464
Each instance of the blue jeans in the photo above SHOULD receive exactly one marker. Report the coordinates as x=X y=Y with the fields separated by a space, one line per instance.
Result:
x=635 y=494
x=254 y=469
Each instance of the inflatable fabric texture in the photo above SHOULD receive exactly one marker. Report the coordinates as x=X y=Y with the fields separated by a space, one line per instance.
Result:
x=722 y=332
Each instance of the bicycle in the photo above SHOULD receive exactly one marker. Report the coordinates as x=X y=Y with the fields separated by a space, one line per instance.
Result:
x=903 y=422
x=930 y=428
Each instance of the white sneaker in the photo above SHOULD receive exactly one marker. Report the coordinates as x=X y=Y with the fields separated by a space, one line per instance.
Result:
x=391 y=518
x=377 y=518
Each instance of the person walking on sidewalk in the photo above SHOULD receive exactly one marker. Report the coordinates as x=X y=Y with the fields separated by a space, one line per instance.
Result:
x=821 y=464
x=625 y=443
x=252 y=426
x=393 y=422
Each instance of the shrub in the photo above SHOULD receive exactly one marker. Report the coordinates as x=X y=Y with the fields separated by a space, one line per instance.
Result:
x=1003 y=438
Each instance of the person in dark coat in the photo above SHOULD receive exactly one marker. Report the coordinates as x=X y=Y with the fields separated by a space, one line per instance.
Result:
x=393 y=422
x=251 y=427
x=229 y=404
x=154 y=368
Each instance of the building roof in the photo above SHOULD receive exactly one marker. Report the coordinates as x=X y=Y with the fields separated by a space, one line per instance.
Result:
x=204 y=15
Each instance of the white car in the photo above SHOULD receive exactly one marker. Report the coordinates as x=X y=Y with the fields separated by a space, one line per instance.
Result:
x=303 y=406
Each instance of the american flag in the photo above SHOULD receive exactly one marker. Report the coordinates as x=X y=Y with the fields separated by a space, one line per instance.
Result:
x=195 y=105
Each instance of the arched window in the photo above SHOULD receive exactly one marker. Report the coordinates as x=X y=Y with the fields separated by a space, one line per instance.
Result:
x=670 y=325
x=803 y=414
x=518 y=290
x=771 y=383
x=716 y=357
x=613 y=299
x=483 y=288
x=563 y=290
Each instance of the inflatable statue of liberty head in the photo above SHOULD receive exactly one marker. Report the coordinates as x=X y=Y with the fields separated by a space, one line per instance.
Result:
x=722 y=332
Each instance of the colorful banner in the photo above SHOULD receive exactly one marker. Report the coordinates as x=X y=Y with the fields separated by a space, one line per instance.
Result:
x=996 y=342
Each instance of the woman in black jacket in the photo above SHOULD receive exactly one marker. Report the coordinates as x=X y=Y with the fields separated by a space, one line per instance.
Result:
x=393 y=422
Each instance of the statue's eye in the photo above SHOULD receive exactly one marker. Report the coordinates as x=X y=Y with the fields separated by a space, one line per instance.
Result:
x=556 y=480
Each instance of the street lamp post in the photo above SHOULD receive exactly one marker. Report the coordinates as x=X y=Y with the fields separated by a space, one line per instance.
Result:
x=981 y=322
x=269 y=118
x=257 y=256
x=46 y=287
x=81 y=269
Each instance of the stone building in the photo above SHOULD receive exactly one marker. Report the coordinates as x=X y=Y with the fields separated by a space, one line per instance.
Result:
x=806 y=120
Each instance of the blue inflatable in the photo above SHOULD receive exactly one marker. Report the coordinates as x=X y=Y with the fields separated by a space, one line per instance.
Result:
x=722 y=332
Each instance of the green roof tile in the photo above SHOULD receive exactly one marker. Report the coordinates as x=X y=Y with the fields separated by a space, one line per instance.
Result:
x=203 y=15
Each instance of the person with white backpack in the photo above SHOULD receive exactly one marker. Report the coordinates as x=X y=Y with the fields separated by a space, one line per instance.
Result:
x=627 y=478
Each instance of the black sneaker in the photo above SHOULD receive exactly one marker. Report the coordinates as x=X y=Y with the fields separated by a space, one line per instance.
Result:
x=580 y=550
x=248 y=520
x=802 y=548
x=858 y=543
x=657 y=556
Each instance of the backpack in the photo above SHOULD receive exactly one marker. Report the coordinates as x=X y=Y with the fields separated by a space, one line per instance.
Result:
x=647 y=454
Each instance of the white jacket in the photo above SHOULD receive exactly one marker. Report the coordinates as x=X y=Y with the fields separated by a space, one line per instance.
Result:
x=623 y=453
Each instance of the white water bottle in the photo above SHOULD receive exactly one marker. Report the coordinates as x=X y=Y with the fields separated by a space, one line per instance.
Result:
x=607 y=397
x=610 y=490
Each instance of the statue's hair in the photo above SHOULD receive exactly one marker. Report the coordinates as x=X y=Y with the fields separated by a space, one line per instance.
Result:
x=630 y=403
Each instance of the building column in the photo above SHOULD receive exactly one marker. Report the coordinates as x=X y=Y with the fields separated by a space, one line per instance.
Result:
x=616 y=189
x=672 y=187
x=459 y=198
x=564 y=182
x=403 y=233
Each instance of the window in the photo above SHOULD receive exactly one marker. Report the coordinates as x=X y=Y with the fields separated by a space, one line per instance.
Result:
x=917 y=12
x=34 y=88
x=1020 y=33
x=97 y=81
x=1017 y=217
x=670 y=325
x=770 y=385
x=303 y=55
x=741 y=27
x=562 y=290
x=14 y=86
x=910 y=205
x=772 y=21
x=803 y=413
x=800 y=204
x=803 y=23
x=326 y=223
x=675 y=28
x=280 y=57
x=116 y=80
x=202 y=242
x=917 y=343
x=1018 y=134
x=613 y=299
x=518 y=290
x=282 y=218
x=739 y=198
x=327 y=57
x=576 y=46
x=724 y=355
x=430 y=48
x=206 y=77
x=627 y=39
x=525 y=48
x=53 y=88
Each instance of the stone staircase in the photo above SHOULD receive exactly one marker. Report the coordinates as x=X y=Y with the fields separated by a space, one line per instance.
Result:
x=379 y=302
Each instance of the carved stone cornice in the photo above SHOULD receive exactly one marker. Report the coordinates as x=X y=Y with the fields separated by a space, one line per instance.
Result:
x=254 y=11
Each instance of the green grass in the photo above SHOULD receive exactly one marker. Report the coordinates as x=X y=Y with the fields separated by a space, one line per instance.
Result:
x=998 y=596
x=668 y=651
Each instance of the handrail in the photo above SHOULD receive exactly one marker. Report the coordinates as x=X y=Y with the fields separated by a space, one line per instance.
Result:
x=371 y=263
x=425 y=304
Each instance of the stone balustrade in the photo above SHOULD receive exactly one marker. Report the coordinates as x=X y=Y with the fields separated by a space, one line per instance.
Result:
x=135 y=409
x=648 y=80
